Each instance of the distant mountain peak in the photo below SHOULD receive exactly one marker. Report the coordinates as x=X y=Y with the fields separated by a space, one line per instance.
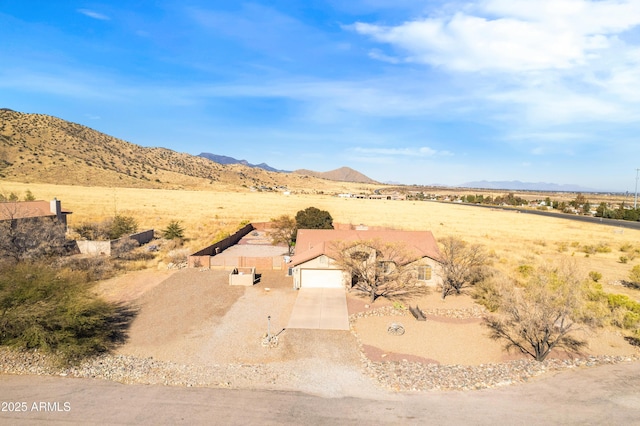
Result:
x=342 y=174
x=223 y=159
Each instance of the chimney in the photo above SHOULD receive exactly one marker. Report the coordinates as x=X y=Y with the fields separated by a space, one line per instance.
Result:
x=56 y=209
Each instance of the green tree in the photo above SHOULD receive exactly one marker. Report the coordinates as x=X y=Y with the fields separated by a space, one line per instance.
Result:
x=173 y=231
x=314 y=218
x=28 y=196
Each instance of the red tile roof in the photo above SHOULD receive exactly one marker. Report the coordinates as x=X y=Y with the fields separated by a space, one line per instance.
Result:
x=26 y=209
x=311 y=243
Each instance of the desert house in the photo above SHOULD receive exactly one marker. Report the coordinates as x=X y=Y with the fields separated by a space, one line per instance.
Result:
x=314 y=263
x=22 y=210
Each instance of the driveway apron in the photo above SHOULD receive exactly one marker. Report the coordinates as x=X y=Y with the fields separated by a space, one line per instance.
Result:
x=320 y=308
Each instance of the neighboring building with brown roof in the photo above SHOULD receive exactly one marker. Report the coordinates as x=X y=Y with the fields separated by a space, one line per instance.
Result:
x=33 y=209
x=314 y=263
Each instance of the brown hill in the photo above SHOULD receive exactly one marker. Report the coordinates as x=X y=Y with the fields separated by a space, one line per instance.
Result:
x=45 y=149
x=343 y=174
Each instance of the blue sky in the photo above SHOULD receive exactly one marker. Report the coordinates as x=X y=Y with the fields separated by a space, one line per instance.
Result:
x=416 y=92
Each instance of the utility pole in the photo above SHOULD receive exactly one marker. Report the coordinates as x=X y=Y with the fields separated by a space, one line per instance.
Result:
x=635 y=198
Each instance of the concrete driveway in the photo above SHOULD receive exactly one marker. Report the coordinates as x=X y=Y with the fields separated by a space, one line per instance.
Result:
x=321 y=309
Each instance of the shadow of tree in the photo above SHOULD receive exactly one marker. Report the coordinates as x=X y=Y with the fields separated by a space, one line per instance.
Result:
x=119 y=323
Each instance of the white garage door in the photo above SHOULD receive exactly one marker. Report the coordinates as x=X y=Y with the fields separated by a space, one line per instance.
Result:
x=321 y=278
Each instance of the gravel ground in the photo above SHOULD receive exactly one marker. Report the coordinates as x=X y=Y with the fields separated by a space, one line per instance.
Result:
x=193 y=329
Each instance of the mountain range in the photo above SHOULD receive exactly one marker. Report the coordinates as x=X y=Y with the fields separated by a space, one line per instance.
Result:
x=46 y=149
x=223 y=159
x=42 y=148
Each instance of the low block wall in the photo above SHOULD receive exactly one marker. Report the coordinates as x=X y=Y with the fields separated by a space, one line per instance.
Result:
x=94 y=248
x=219 y=247
x=242 y=276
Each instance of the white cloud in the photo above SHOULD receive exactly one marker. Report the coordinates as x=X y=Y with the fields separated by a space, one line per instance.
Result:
x=379 y=55
x=423 y=151
x=512 y=35
x=94 y=15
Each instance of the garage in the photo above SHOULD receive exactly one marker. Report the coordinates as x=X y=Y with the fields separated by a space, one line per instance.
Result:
x=321 y=278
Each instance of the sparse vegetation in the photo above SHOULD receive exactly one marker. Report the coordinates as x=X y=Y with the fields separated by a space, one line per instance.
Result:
x=463 y=265
x=542 y=314
x=173 y=231
x=31 y=239
x=110 y=229
x=634 y=275
x=595 y=276
x=52 y=310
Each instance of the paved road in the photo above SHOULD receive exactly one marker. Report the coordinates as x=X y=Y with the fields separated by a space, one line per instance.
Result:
x=608 y=395
x=598 y=220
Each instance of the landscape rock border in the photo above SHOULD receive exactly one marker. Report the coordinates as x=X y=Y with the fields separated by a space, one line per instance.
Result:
x=395 y=376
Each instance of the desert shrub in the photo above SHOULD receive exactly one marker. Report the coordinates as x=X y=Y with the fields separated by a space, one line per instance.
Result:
x=562 y=247
x=122 y=225
x=525 y=270
x=173 y=231
x=488 y=294
x=626 y=247
x=122 y=248
x=595 y=276
x=634 y=275
x=589 y=249
x=54 y=311
x=93 y=230
x=95 y=268
x=623 y=259
x=626 y=312
x=543 y=313
x=110 y=229
x=178 y=256
x=31 y=239
x=603 y=248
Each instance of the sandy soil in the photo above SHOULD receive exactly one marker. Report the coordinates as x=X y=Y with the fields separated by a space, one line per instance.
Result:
x=194 y=317
x=446 y=340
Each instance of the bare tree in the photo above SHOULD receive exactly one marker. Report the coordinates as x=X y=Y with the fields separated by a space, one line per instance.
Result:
x=379 y=269
x=543 y=314
x=283 y=231
x=32 y=238
x=462 y=265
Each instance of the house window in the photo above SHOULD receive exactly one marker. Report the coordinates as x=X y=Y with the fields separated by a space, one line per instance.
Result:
x=386 y=266
x=424 y=273
x=289 y=272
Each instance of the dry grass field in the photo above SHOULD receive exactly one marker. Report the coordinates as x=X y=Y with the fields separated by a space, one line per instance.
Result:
x=513 y=239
